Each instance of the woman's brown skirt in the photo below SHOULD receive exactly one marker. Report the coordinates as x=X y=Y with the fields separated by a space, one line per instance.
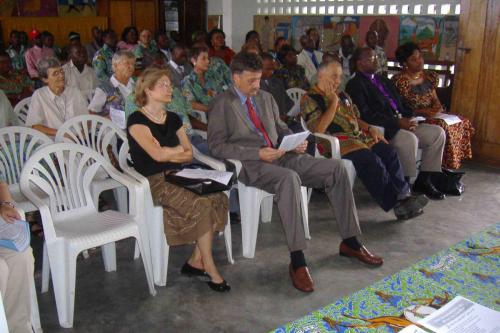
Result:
x=187 y=215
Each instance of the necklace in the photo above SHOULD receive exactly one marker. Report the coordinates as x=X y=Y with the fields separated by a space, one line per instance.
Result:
x=155 y=118
x=415 y=76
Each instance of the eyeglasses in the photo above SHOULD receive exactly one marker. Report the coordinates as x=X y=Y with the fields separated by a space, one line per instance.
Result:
x=58 y=72
x=163 y=84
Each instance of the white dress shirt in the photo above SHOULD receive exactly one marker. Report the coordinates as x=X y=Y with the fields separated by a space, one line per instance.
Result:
x=52 y=111
x=179 y=69
x=7 y=116
x=86 y=81
x=99 y=100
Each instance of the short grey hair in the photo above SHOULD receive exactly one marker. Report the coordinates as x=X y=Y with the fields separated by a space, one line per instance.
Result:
x=44 y=64
x=120 y=56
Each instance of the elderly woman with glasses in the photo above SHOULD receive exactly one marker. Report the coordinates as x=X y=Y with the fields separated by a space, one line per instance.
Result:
x=53 y=104
x=109 y=98
x=158 y=145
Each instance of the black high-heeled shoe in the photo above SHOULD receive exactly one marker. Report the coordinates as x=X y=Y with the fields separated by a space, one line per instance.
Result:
x=189 y=270
x=220 y=287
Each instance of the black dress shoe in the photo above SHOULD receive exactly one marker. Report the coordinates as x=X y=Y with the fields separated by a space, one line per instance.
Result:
x=219 y=287
x=426 y=187
x=189 y=270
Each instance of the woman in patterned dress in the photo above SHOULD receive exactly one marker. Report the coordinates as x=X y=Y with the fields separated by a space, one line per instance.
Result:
x=418 y=89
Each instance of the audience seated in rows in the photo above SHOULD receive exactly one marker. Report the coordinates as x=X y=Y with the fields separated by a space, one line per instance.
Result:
x=111 y=96
x=78 y=74
x=159 y=144
x=372 y=40
x=145 y=48
x=202 y=84
x=54 y=104
x=376 y=162
x=273 y=85
x=16 y=85
x=231 y=137
x=16 y=51
x=217 y=46
x=37 y=53
x=345 y=52
x=163 y=44
x=292 y=74
x=102 y=62
x=129 y=38
x=16 y=272
x=309 y=58
x=179 y=65
x=95 y=44
x=380 y=104
x=418 y=90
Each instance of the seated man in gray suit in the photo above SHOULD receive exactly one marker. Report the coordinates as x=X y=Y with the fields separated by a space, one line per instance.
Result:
x=244 y=124
x=179 y=65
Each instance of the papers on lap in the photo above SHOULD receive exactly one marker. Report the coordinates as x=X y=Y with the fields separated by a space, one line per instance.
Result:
x=449 y=119
x=292 y=141
x=15 y=236
x=218 y=176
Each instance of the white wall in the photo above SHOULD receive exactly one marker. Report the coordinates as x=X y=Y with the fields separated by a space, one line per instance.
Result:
x=238 y=14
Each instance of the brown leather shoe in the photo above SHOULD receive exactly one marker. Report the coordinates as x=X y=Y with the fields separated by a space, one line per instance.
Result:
x=301 y=279
x=362 y=255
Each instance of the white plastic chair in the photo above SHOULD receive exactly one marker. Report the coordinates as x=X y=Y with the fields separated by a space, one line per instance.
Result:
x=99 y=134
x=21 y=110
x=17 y=144
x=254 y=201
x=295 y=94
x=71 y=222
x=158 y=243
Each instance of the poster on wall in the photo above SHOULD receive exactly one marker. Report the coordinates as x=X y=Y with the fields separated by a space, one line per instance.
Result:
x=35 y=8
x=335 y=27
x=76 y=7
x=387 y=28
x=271 y=27
x=435 y=35
x=301 y=23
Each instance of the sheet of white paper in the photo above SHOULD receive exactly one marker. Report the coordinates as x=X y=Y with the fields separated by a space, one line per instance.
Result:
x=118 y=117
x=219 y=176
x=418 y=118
x=14 y=235
x=463 y=316
x=449 y=119
x=291 y=141
x=412 y=329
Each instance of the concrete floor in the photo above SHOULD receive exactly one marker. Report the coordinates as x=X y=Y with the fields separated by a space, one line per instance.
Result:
x=262 y=296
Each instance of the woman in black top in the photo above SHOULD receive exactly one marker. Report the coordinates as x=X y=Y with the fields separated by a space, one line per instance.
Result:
x=158 y=144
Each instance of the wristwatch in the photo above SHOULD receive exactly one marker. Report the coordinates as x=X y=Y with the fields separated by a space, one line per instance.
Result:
x=8 y=203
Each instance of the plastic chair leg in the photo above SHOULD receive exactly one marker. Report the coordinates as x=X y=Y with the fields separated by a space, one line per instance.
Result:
x=45 y=269
x=109 y=256
x=266 y=209
x=121 y=198
x=228 y=241
x=137 y=251
x=63 y=275
x=146 y=261
x=250 y=199
x=305 y=211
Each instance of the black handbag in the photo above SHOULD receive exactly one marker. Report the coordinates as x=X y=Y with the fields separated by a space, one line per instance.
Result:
x=449 y=182
x=198 y=186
